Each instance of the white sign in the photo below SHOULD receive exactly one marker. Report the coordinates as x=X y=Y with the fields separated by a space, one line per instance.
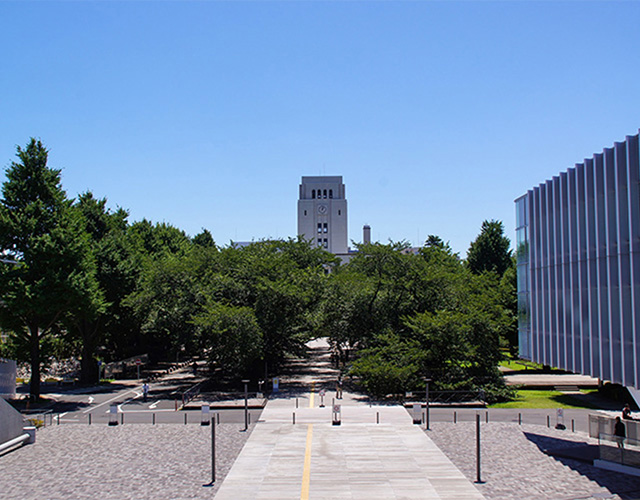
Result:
x=417 y=413
x=336 y=408
x=322 y=392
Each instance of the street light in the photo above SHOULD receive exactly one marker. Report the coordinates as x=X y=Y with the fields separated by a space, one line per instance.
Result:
x=427 y=380
x=246 y=405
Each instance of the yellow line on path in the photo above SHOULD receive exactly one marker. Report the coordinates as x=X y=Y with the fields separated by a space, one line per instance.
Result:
x=306 y=474
x=313 y=388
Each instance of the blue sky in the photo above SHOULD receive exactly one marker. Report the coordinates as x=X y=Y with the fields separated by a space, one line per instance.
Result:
x=206 y=114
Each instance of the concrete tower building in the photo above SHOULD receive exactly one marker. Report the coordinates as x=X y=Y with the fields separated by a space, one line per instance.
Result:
x=322 y=213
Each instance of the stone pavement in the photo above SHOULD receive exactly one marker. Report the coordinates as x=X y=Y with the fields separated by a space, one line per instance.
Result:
x=359 y=459
x=140 y=461
x=514 y=466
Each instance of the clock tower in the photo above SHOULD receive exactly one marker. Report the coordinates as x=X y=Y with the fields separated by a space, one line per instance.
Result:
x=322 y=213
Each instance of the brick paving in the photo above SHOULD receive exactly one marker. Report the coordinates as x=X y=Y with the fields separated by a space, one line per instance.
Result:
x=515 y=468
x=171 y=462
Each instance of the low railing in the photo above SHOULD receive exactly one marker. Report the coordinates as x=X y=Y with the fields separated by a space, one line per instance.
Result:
x=446 y=397
x=191 y=394
x=38 y=418
x=620 y=450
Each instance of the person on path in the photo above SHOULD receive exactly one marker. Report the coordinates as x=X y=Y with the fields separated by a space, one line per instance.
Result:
x=626 y=412
x=619 y=432
x=145 y=391
x=339 y=388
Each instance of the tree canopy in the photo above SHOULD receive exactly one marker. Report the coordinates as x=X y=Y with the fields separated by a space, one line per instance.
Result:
x=101 y=288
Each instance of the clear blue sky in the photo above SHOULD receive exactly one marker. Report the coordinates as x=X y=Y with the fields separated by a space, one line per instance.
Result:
x=206 y=114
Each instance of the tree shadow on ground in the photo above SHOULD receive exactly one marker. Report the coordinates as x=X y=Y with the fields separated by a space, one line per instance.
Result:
x=579 y=456
x=588 y=401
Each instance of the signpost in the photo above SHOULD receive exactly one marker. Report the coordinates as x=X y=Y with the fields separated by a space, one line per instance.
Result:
x=276 y=385
x=113 y=415
x=138 y=363
x=417 y=413
x=560 y=419
x=322 y=392
x=336 y=420
x=204 y=418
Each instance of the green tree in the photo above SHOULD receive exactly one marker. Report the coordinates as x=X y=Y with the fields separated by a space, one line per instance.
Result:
x=231 y=336
x=490 y=250
x=204 y=239
x=38 y=230
x=88 y=316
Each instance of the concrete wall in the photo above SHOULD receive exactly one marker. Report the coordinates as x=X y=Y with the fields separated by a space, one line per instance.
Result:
x=8 y=371
x=10 y=422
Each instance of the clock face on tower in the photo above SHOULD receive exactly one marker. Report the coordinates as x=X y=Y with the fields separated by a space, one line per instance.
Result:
x=322 y=209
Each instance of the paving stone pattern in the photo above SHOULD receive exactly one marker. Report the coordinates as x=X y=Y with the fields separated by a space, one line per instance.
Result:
x=142 y=462
x=514 y=466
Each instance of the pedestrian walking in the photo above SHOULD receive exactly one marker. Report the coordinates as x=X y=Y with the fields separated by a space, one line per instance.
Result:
x=339 y=387
x=620 y=432
x=145 y=391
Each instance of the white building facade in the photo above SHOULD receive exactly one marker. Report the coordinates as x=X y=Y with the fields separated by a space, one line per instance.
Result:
x=322 y=213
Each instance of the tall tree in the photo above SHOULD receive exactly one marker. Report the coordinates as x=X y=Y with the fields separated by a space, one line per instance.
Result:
x=87 y=318
x=38 y=230
x=490 y=250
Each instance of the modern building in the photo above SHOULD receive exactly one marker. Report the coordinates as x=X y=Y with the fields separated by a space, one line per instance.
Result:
x=578 y=257
x=322 y=213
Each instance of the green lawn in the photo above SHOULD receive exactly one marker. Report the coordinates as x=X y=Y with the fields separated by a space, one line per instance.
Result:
x=547 y=399
x=513 y=365
x=523 y=364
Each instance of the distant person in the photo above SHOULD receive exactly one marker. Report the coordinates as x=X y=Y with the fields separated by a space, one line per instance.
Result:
x=626 y=412
x=339 y=388
x=145 y=391
x=619 y=432
x=195 y=368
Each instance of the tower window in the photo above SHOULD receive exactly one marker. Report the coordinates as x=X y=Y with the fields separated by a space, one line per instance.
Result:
x=325 y=193
x=313 y=194
x=319 y=241
x=330 y=193
x=326 y=243
x=305 y=212
x=325 y=227
x=339 y=212
x=319 y=227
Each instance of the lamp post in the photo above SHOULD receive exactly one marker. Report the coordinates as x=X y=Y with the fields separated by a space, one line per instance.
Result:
x=246 y=405
x=426 y=398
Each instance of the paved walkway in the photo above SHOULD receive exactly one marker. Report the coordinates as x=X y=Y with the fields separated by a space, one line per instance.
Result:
x=550 y=379
x=359 y=459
